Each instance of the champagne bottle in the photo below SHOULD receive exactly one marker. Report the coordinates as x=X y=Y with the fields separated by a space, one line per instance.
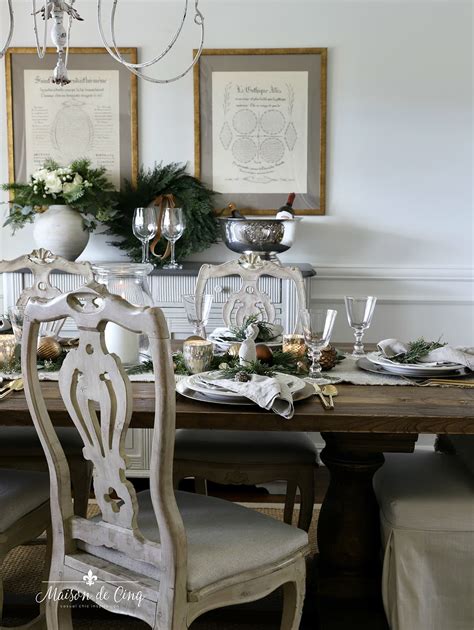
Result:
x=286 y=211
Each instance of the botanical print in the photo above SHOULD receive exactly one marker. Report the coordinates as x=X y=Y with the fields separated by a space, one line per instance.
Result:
x=259 y=132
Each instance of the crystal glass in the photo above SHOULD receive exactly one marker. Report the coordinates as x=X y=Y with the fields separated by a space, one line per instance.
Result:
x=198 y=314
x=145 y=227
x=359 y=312
x=172 y=228
x=130 y=281
x=317 y=330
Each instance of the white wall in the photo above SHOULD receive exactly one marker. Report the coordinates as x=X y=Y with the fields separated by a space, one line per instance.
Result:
x=399 y=222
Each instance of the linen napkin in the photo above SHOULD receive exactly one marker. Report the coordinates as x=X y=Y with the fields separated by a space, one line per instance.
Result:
x=267 y=392
x=390 y=348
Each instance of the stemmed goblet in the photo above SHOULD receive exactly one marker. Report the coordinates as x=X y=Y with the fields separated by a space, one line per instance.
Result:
x=198 y=314
x=172 y=228
x=145 y=227
x=359 y=312
x=317 y=329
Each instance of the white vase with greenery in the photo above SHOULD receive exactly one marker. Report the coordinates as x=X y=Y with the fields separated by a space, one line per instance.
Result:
x=65 y=204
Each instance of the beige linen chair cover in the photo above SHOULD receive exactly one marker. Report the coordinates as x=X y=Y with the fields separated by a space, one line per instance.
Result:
x=426 y=504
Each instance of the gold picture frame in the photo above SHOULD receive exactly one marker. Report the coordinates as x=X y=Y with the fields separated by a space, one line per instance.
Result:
x=90 y=59
x=313 y=62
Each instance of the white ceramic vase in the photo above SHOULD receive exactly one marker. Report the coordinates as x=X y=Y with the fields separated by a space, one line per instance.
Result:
x=61 y=230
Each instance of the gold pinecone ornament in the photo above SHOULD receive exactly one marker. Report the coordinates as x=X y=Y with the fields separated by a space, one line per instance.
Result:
x=328 y=358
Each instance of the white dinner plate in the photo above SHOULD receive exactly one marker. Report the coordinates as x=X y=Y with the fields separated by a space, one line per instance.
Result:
x=302 y=394
x=369 y=366
x=198 y=383
x=413 y=369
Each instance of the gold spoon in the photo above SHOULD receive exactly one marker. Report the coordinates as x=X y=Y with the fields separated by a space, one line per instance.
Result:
x=11 y=384
x=319 y=392
x=331 y=391
x=14 y=386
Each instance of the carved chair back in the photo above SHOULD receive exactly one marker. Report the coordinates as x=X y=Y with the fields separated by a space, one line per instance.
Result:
x=249 y=299
x=42 y=263
x=97 y=394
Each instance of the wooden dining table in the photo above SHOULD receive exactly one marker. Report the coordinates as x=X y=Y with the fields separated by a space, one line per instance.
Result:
x=367 y=422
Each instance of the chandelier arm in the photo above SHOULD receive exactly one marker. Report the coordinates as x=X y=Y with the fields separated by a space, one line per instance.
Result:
x=151 y=62
x=66 y=58
x=41 y=52
x=10 y=32
x=179 y=76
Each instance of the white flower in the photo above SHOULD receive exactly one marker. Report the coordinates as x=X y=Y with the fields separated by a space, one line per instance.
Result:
x=77 y=179
x=53 y=183
x=40 y=175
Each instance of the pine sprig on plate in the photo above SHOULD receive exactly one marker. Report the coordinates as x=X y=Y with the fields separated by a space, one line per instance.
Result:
x=417 y=350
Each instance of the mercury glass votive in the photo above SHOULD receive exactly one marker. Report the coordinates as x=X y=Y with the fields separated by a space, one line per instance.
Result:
x=294 y=344
x=7 y=351
x=197 y=355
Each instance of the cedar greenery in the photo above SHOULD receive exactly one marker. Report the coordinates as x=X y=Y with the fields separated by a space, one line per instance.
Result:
x=417 y=350
x=189 y=193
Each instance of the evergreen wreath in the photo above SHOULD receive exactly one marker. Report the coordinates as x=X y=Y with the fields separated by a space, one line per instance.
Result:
x=192 y=195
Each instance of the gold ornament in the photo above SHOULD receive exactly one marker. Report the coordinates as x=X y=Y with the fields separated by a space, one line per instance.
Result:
x=49 y=349
x=328 y=358
x=234 y=349
x=264 y=354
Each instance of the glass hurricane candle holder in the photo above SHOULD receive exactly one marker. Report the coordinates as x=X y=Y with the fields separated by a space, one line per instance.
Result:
x=198 y=355
x=129 y=280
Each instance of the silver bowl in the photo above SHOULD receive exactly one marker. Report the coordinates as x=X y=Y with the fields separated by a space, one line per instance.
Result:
x=262 y=236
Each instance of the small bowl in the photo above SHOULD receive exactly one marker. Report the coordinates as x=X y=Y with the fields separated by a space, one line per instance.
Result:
x=262 y=236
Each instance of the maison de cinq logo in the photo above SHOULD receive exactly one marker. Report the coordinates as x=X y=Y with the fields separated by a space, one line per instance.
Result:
x=123 y=591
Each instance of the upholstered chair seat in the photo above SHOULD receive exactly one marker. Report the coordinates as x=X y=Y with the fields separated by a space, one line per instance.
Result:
x=21 y=492
x=224 y=539
x=24 y=515
x=255 y=446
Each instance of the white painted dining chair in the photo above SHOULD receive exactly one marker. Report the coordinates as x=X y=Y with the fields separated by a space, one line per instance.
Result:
x=426 y=502
x=24 y=515
x=177 y=555
x=19 y=446
x=240 y=457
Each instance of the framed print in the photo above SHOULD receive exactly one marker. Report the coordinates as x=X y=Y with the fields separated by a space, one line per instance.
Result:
x=260 y=127
x=93 y=117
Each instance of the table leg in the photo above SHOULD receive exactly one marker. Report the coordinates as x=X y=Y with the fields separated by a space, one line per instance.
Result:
x=348 y=526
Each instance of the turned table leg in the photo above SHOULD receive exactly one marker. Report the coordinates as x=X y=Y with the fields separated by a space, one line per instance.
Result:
x=348 y=526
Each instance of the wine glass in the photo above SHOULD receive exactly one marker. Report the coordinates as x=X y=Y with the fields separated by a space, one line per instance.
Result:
x=359 y=312
x=172 y=228
x=198 y=314
x=145 y=227
x=317 y=329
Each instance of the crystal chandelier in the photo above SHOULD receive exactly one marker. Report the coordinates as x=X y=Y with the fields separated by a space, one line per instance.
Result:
x=57 y=10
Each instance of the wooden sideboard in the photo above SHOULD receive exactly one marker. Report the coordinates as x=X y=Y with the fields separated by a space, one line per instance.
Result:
x=167 y=288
